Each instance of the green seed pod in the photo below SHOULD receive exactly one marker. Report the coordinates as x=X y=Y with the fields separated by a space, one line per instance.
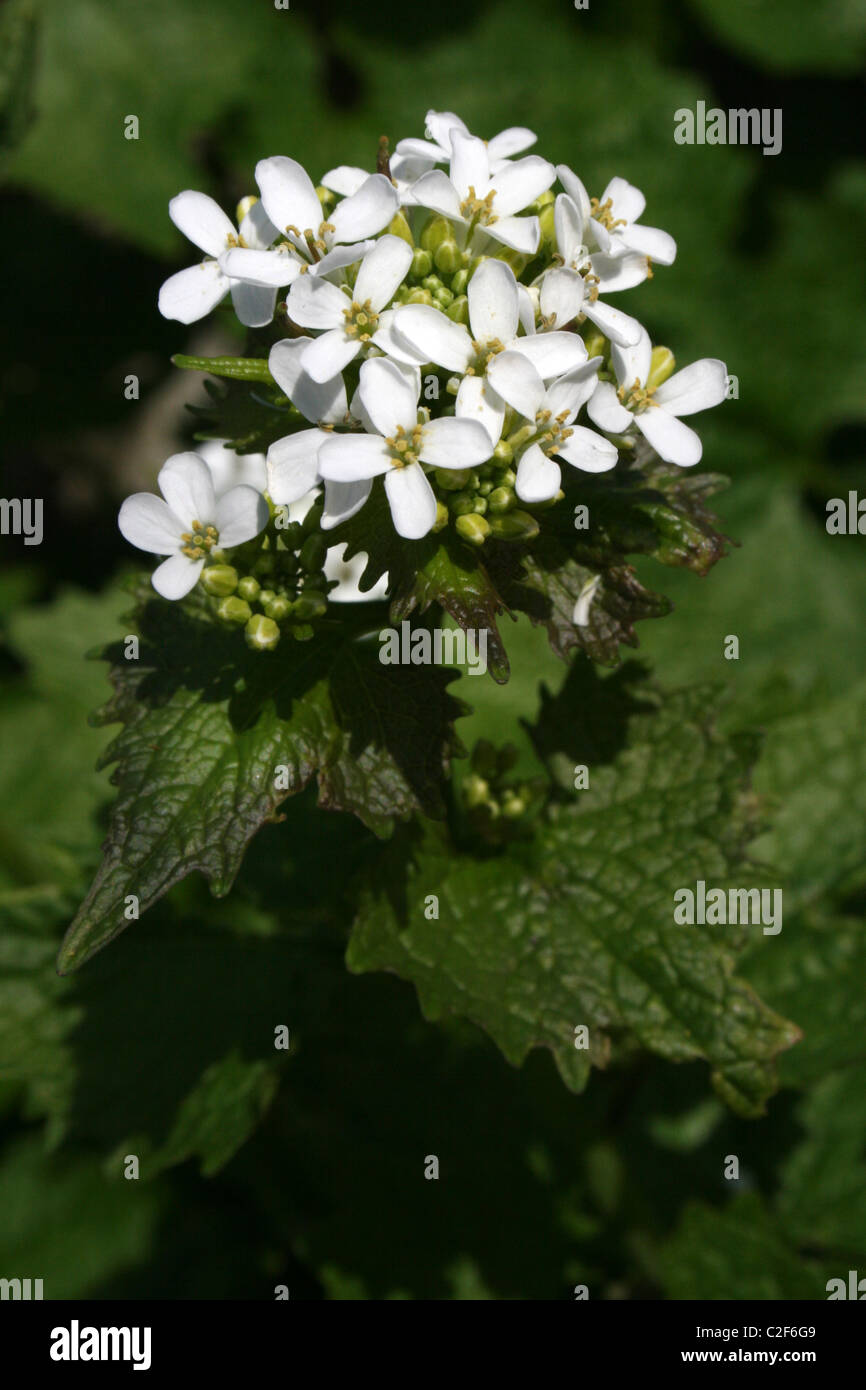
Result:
x=447 y=256
x=279 y=608
x=503 y=453
x=310 y=605
x=458 y=310
x=474 y=529
x=234 y=610
x=434 y=232
x=461 y=503
x=422 y=264
x=249 y=588
x=219 y=580
x=514 y=526
x=662 y=364
x=500 y=500
x=459 y=280
x=313 y=552
x=398 y=226
x=452 y=479
x=419 y=296
x=262 y=633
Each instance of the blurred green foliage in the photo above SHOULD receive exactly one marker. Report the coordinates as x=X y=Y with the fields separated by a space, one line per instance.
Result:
x=263 y=1167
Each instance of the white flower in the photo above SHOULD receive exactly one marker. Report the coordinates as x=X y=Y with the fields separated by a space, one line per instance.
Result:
x=191 y=523
x=574 y=287
x=436 y=149
x=475 y=195
x=551 y=411
x=230 y=469
x=612 y=219
x=398 y=444
x=655 y=412
x=346 y=179
x=349 y=321
x=192 y=293
x=494 y=317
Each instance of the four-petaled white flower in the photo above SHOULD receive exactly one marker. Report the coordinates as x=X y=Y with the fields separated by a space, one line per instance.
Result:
x=655 y=411
x=436 y=149
x=573 y=288
x=475 y=196
x=190 y=294
x=348 y=322
x=551 y=410
x=612 y=222
x=191 y=523
x=398 y=444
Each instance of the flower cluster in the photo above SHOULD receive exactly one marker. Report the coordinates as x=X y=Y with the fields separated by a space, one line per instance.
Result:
x=447 y=325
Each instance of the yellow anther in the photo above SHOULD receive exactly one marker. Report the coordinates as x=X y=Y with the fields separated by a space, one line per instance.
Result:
x=603 y=213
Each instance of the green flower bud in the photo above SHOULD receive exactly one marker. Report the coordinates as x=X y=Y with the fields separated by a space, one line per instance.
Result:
x=508 y=478
x=278 y=608
x=303 y=632
x=310 y=605
x=234 y=610
x=262 y=633
x=503 y=453
x=596 y=343
x=266 y=596
x=436 y=230
x=447 y=257
x=443 y=297
x=662 y=364
x=419 y=296
x=512 y=805
x=480 y=506
x=325 y=196
x=220 y=580
x=500 y=500
x=313 y=552
x=515 y=259
x=432 y=283
x=249 y=588
x=461 y=503
x=398 y=226
x=441 y=517
x=547 y=224
x=459 y=281
x=452 y=479
x=485 y=487
x=458 y=311
x=244 y=206
x=545 y=199
x=474 y=529
x=422 y=264
x=514 y=526
x=476 y=790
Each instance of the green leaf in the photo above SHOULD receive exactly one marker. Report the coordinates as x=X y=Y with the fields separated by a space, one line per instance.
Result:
x=236 y=368
x=576 y=926
x=206 y=725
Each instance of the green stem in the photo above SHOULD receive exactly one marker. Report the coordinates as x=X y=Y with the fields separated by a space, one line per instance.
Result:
x=239 y=368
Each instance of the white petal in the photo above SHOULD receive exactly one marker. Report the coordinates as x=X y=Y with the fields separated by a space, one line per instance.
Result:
x=253 y=304
x=438 y=126
x=326 y=357
x=493 y=304
x=551 y=354
x=240 y=515
x=410 y=497
x=288 y=195
x=527 y=308
x=382 y=271
x=149 y=523
x=174 y=578
x=387 y=395
x=569 y=227
x=619 y=272
x=340 y=257
x=477 y=400
x=672 y=440
x=520 y=183
x=628 y=202
x=435 y=336
x=510 y=142
x=576 y=192
x=516 y=380
x=632 y=363
x=470 y=167
x=186 y=483
x=436 y=191
x=573 y=389
x=653 y=242
x=347 y=458
x=343 y=500
x=274 y=268
x=597 y=232
x=621 y=328
x=606 y=410
x=316 y=303
x=697 y=387
x=562 y=294
x=190 y=294
x=229 y=469
x=257 y=229
x=538 y=477
x=452 y=443
x=418 y=150
x=519 y=233
x=346 y=179
x=318 y=401
x=588 y=451
x=293 y=465
x=366 y=212
x=202 y=220
x=389 y=341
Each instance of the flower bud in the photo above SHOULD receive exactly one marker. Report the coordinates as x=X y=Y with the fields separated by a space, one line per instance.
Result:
x=432 y=283
x=310 y=605
x=219 y=580
x=447 y=257
x=474 y=529
x=398 y=226
x=313 y=552
x=596 y=343
x=278 y=608
x=249 y=588
x=480 y=505
x=434 y=232
x=441 y=517
x=452 y=479
x=476 y=790
x=443 y=297
x=461 y=503
x=234 y=610
x=326 y=197
x=662 y=364
x=419 y=296
x=422 y=264
x=485 y=487
x=503 y=453
x=512 y=805
x=546 y=199
x=515 y=259
x=458 y=311
x=266 y=596
x=262 y=633
x=244 y=206
x=500 y=500
x=514 y=526
x=508 y=478
x=459 y=281
x=547 y=223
